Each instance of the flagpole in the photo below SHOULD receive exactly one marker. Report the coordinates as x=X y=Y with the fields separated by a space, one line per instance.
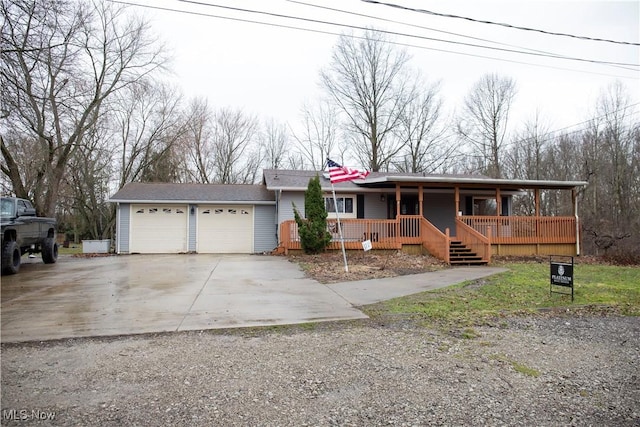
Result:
x=335 y=205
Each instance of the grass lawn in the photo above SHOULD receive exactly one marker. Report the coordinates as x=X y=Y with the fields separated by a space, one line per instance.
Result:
x=523 y=289
x=73 y=249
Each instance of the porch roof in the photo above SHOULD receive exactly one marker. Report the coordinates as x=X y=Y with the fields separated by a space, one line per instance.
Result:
x=470 y=182
x=298 y=180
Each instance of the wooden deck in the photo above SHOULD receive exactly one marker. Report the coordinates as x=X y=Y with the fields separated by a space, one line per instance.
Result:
x=483 y=234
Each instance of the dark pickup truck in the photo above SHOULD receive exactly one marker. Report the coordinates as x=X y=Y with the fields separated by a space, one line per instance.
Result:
x=23 y=232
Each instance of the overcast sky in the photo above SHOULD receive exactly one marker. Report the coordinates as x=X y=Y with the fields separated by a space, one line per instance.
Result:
x=271 y=71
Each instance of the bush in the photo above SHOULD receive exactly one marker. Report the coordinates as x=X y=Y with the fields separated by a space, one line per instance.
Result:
x=314 y=236
x=622 y=257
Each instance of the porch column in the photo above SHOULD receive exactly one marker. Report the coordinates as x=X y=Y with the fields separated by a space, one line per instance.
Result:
x=420 y=200
x=536 y=193
x=498 y=212
x=456 y=192
x=398 y=237
x=574 y=199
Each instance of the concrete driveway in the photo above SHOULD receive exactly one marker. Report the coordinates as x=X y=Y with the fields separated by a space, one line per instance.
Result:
x=116 y=295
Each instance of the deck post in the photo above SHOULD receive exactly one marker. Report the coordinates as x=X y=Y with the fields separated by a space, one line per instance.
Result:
x=398 y=228
x=456 y=190
x=574 y=199
x=498 y=211
x=536 y=193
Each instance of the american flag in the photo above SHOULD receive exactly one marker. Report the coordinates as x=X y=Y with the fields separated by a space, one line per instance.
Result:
x=339 y=173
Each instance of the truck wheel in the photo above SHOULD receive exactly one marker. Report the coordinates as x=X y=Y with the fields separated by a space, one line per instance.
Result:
x=11 y=258
x=49 y=250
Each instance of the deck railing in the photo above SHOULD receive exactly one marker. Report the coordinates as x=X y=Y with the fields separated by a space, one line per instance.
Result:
x=436 y=242
x=474 y=240
x=477 y=232
x=383 y=233
x=525 y=229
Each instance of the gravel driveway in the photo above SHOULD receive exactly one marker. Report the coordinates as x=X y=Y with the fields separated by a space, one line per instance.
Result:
x=526 y=371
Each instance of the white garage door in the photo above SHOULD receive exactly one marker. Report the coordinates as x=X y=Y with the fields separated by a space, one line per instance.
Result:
x=225 y=229
x=158 y=229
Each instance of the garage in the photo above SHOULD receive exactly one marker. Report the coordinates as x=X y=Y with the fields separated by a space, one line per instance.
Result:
x=153 y=218
x=158 y=229
x=225 y=229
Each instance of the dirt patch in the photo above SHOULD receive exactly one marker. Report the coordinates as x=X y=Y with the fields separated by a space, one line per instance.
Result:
x=329 y=267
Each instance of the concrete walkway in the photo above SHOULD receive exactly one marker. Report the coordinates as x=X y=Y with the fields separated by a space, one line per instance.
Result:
x=363 y=292
x=134 y=294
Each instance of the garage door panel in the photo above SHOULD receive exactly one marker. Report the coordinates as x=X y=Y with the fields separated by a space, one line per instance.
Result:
x=225 y=229
x=158 y=229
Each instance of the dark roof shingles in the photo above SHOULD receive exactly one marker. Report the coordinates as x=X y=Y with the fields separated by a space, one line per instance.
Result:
x=137 y=191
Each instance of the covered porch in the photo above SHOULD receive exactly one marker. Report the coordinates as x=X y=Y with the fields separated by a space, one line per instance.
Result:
x=468 y=235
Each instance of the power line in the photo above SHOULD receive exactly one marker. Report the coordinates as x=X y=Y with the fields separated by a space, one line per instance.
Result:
x=429 y=28
x=291 y=27
x=412 y=25
x=446 y=15
x=394 y=33
x=547 y=136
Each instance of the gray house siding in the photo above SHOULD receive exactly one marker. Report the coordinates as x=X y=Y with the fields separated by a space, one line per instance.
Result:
x=264 y=228
x=374 y=208
x=193 y=229
x=286 y=209
x=124 y=223
x=439 y=209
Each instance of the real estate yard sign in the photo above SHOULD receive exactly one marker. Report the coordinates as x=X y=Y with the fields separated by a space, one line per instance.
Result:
x=561 y=273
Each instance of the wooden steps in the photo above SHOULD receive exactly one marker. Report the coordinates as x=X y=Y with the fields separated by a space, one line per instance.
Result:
x=460 y=254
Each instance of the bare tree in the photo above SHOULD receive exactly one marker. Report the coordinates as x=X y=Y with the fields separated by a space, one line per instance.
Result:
x=85 y=188
x=611 y=203
x=149 y=124
x=484 y=119
x=61 y=60
x=236 y=157
x=422 y=133
x=367 y=80
x=275 y=145
x=319 y=134
x=199 y=141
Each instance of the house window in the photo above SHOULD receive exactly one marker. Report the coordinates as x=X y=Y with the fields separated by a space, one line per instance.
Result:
x=140 y=211
x=218 y=211
x=345 y=205
x=244 y=212
x=232 y=211
x=153 y=210
x=166 y=210
x=485 y=206
x=179 y=211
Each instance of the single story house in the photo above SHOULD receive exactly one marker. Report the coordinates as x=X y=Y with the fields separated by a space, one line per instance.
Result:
x=457 y=218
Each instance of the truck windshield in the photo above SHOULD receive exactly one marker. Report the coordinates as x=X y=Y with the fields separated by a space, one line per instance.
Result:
x=6 y=207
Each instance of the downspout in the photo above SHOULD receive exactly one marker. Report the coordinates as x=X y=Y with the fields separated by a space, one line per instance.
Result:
x=118 y=227
x=278 y=198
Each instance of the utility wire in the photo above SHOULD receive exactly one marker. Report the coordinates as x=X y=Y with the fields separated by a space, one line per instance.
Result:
x=428 y=28
x=271 y=24
x=317 y=21
x=446 y=15
x=422 y=27
x=549 y=135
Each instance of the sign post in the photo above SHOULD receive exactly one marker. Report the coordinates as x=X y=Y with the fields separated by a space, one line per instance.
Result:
x=561 y=274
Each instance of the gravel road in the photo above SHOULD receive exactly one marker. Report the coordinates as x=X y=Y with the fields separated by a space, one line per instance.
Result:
x=544 y=371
